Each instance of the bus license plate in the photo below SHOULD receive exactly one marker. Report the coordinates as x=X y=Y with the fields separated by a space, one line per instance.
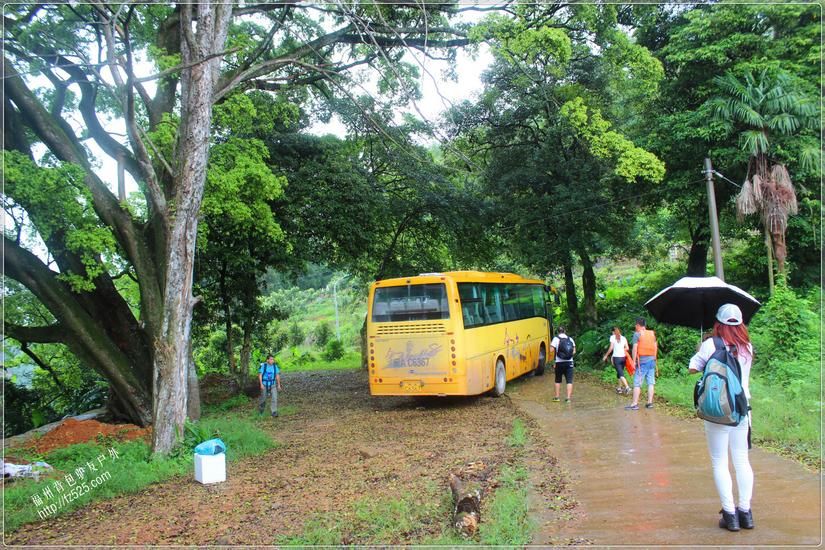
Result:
x=412 y=385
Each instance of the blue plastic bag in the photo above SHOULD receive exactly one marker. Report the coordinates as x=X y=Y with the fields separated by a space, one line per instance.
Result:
x=211 y=447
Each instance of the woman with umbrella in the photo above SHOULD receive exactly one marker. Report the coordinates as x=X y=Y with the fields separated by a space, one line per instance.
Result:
x=700 y=302
x=730 y=328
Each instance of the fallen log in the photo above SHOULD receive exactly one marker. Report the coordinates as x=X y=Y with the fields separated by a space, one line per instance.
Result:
x=467 y=511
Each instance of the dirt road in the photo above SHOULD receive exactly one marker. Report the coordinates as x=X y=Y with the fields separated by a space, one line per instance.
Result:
x=342 y=454
x=643 y=477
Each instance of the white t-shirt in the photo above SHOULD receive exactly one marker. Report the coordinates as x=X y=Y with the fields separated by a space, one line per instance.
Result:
x=697 y=362
x=618 y=347
x=555 y=344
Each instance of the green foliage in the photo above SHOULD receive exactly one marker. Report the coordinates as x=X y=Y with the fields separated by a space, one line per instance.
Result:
x=785 y=335
x=323 y=332
x=632 y=162
x=334 y=350
x=46 y=396
x=295 y=334
x=194 y=433
x=307 y=362
x=60 y=207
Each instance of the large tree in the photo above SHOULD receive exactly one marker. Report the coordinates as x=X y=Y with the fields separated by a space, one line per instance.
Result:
x=74 y=80
x=559 y=173
x=696 y=44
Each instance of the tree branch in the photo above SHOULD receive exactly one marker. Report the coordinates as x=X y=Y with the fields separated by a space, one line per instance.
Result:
x=24 y=347
x=49 y=334
x=67 y=148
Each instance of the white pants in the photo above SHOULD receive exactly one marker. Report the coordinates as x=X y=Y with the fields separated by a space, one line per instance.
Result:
x=720 y=439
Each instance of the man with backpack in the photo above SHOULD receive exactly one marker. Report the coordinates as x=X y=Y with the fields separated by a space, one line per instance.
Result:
x=269 y=378
x=565 y=350
x=645 y=351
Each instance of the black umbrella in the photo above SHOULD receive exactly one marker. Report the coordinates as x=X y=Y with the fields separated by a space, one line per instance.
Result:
x=693 y=302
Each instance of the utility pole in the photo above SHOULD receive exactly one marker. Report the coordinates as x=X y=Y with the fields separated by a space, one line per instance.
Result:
x=714 y=221
x=335 y=297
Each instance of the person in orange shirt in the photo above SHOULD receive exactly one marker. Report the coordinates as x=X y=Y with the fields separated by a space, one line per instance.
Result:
x=645 y=351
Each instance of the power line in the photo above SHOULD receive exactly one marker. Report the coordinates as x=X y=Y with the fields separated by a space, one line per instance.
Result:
x=726 y=179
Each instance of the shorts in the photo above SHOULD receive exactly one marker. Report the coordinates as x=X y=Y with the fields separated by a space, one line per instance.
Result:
x=564 y=368
x=618 y=364
x=646 y=370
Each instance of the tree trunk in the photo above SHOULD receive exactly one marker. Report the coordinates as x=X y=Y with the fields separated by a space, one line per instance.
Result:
x=699 y=246
x=96 y=326
x=246 y=353
x=467 y=505
x=363 y=333
x=591 y=316
x=227 y=318
x=198 y=82
x=570 y=292
x=769 y=248
x=193 y=398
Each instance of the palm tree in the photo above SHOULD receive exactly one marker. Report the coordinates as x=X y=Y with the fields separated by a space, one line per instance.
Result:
x=756 y=107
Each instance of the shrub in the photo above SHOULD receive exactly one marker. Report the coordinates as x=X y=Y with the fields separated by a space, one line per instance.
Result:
x=295 y=335
x=322 y=334
x=334 y=350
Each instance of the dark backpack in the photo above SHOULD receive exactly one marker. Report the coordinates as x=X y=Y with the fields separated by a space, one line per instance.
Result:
x=719 y=396
x=565 y=351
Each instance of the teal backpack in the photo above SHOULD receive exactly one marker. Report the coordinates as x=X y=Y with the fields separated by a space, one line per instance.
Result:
x=719 y=396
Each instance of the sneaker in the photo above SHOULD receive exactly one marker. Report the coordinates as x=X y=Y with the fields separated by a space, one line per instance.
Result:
x=627 y=390
x=649 y=406
x=567 y=400
x=729 y=521
x=274 y=414
x=619 y=390
x=556 y=400
x=632 y=408
x=745 y=518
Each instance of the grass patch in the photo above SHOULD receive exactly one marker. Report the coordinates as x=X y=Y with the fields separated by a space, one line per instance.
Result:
x=518 y=437
x=371 y=521
x=508 y=522
x=234 y=402
x=126 y=467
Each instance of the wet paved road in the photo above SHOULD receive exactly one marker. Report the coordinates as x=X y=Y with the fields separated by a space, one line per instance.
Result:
x=643 y=477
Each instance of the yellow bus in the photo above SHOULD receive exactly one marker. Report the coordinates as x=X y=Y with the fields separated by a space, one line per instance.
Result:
x=455 y=333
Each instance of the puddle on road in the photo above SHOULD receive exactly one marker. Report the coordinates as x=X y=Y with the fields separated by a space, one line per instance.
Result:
x=643 y=477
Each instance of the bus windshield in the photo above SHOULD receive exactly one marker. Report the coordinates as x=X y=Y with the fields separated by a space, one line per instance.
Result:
x=410 y=303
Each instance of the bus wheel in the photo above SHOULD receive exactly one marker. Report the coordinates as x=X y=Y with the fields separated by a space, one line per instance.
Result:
x=542 y=361
x=500 y=380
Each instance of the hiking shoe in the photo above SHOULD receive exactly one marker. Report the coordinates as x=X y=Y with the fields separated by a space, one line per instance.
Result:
x=649 y=406
x=627 y=390
x=274 y=414
x=729 y=521
x=745 y=518
x=556 y=400
x=632 y=408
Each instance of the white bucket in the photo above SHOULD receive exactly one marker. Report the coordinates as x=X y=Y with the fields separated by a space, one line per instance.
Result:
x=210 y=468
